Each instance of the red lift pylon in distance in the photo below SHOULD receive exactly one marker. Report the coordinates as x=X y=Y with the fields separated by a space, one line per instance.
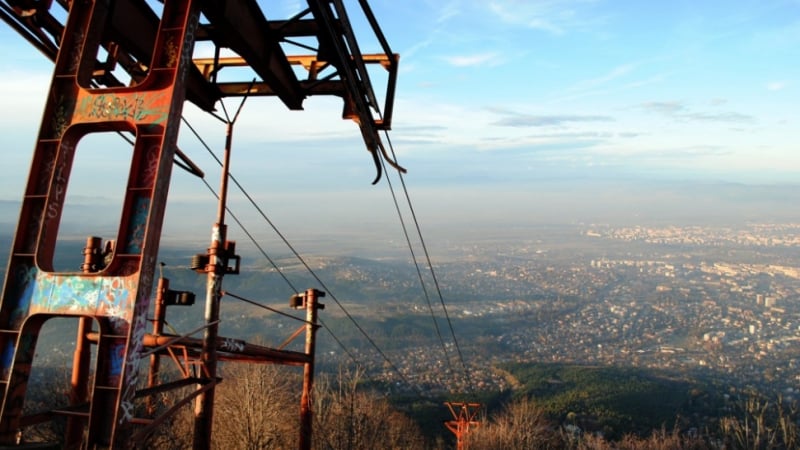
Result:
x=464 y=420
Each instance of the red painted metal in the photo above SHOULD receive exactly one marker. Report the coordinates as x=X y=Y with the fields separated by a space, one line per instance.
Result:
x=116 y=297
x=312 y=306
x=159 y=318
x=218 y=256
x=464 y=420
x=110 y=295
x=79 y=394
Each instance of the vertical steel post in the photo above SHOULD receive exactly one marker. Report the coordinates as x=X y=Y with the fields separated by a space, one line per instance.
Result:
x=92 y=258
x=217 y=265
x=306 y=412
x=159 y=317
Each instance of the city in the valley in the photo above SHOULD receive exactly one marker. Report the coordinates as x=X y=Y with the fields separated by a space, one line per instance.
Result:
x=718 y=303
x=707 y=301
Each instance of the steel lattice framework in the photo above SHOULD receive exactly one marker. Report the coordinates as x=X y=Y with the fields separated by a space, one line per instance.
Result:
x=129 y=66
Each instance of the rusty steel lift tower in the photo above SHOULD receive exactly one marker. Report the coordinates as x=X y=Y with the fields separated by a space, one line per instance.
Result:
x=128 y=66
x=465 y=417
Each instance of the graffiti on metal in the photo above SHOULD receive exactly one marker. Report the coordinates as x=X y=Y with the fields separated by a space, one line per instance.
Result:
x=170 y=52
x=7 y=357
x=76 y=51
x=59 y=187
x=62 y=112
x=80 y=295
x=232 y=345
x=24 y=277
x=134 y=107
x=133 y=358
x=138 y=224
x=117 y=359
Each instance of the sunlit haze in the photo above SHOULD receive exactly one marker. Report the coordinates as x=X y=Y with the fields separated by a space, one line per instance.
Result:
x=507 y=112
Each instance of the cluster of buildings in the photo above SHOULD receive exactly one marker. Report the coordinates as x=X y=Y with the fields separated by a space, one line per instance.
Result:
x=782 y=235
x=730 y=312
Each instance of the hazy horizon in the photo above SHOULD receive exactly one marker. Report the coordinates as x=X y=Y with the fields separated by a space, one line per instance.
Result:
x=506 y=115
x=369 y=226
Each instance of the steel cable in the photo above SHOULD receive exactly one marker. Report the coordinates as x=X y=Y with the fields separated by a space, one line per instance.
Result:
x=304 y=263
x=467 y=376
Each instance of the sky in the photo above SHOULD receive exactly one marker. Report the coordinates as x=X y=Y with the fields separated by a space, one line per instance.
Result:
x=505 y=111
x=696 y=89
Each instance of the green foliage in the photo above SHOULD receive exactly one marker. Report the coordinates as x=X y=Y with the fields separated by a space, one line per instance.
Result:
x=610 y=399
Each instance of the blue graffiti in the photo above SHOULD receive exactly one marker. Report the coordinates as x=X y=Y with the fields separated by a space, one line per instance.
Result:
x=136 y=228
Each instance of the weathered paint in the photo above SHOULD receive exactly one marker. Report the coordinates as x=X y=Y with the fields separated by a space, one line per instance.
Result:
x=85 y=296
x=117 y=297
x=117 y=359
x=136 y=228
x=24 y=285
x=132 y=106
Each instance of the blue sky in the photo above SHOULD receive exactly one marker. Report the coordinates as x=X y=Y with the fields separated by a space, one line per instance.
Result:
x=498 y=98
x=705 y=88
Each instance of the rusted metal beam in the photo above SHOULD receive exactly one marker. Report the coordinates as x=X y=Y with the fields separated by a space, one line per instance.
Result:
x=241 y=26
x=133 y=25
x=166 y=387
x=206 y=65
x=311 y=85
x=26 y=28
x=151 y=426
x=130 y=33
x=229 y=349
x=120 y=67
x=294 y=28
x=232 y=349
x=240 y=89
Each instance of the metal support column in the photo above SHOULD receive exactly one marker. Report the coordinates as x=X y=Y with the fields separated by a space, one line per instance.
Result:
x=159 y=317
x=114 y=294
x=306 y=412
x=218 y=254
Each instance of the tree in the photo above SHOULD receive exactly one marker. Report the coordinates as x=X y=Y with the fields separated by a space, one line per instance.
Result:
x=257 y=407
x=348 y=418
x=521 y=425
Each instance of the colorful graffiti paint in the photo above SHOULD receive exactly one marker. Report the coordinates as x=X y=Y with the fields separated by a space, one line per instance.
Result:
x=130 y=107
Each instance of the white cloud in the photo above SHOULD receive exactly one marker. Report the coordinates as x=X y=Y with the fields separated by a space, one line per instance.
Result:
x=447 y=11
x=655 y=79
x=556 y=17
x=776 y=85
x=605 y=83
x=291 y=7
x=416 y=47
x=679 y=111
x=473 y=60
x=536 y=18
x=517 y=120
x=615 y=73
x=668 y=108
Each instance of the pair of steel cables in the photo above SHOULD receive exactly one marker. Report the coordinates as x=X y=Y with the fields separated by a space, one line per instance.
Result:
x=340 y=305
